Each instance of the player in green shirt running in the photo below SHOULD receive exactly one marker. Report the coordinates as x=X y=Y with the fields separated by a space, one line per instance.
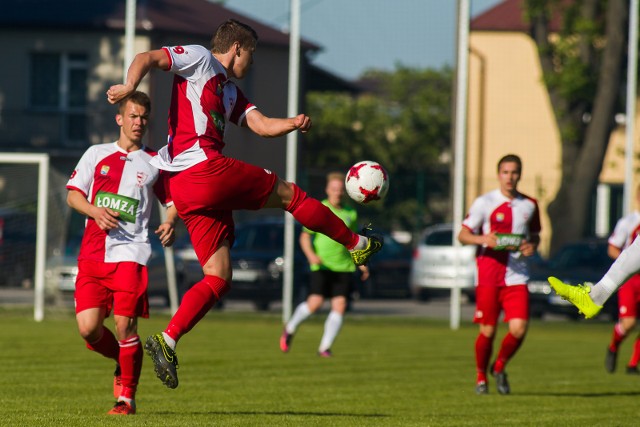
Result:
x=331 y=271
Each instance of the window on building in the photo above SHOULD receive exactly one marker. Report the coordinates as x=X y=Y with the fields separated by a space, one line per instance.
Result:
x=59 y=85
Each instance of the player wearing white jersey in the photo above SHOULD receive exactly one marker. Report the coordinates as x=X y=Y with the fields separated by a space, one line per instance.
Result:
x=625 y=232
x=505 y=225
x=204 y=99
x=112 y=185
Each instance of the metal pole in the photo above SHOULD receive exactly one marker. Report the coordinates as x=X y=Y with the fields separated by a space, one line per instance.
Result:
x=129 y=36
x=632 y=67
x=292 y=156
x=460 y=143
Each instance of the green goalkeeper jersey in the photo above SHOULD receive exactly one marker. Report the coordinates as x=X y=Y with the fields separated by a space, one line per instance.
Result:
x=335 y=257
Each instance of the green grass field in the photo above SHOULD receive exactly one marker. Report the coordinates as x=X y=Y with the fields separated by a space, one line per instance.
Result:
x=386 y=372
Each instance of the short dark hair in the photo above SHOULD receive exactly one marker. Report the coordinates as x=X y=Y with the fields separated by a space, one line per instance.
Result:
x=230 y=32
x=510 y=158
x=137 y=97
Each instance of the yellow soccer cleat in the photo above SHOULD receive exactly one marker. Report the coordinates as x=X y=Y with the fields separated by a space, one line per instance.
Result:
x=576 y=295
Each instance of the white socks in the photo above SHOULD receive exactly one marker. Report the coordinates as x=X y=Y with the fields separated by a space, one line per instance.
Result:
x=362 y=243
x=331 y=328
x=625 y=266
x=170 y=341
x=299 y=316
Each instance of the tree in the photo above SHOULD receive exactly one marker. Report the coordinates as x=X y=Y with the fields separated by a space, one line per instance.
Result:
x=582 y=66
x=403 y=122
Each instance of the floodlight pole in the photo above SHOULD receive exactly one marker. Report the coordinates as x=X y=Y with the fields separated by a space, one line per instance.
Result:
x=292 y=156
x=632 y=97
x=462 y=77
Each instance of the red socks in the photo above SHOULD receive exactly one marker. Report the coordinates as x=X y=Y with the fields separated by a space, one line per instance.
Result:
x=196 y=302
x=317 y=217
x=618 y=336
x=508 y=348
x=483 y=354
x=106 y=345
x=130 y=361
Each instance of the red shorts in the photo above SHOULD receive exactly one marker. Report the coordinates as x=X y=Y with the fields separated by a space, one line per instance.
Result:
x=206 y=194
x=121 y=286
x=629 y=297
x=490 y=300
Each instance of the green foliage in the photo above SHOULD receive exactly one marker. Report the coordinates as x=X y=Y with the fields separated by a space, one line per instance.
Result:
x=387 y=371
x=404 y=123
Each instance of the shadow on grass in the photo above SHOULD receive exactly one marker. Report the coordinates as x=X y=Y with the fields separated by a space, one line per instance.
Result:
x=281 y=413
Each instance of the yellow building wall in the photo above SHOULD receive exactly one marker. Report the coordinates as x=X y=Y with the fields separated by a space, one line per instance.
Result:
x=509 y=111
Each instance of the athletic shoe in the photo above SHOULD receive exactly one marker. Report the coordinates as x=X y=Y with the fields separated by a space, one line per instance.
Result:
x=502 y=384
x=610 y=360
x=117 y=382
x=325 y=353
x=285 y=341
x=123 y=408
x=165 y=360
x=576 y=295
x=374 y=244
x=482 y=388
x=633 y=370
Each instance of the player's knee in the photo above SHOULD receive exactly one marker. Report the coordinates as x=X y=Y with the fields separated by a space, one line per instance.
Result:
x=296 y=197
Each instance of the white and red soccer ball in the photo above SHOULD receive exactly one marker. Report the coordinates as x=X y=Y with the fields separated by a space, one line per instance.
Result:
x=366 y=181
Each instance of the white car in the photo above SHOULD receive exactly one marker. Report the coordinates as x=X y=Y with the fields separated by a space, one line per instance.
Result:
x=438 y=266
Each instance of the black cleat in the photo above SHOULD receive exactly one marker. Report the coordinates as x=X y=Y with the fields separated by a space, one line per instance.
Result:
x=165 y=360
x=502 y=384
x=482 y=388
x=374 y=244
x=610 y=360
x=633 y=370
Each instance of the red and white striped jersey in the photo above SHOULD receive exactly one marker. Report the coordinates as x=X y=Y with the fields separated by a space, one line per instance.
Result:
x=109 y=176
x=626 y=230
x=202 y=101
x=512 y=220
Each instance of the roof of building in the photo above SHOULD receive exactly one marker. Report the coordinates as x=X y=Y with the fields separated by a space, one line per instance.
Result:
x=188 y=17
x=507 y=16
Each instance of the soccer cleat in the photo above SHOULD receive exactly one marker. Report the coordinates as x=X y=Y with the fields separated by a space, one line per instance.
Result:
x=482 y=388
x=576 y=295
x=325 y=353
x=123 y=408
x=165 y=360
x=633 y=370
x=117 y=382
x=502 y=384
x=374 y=244
x=285 y=341
x=610 y=360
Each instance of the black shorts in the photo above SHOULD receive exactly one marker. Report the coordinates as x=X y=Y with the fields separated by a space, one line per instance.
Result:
x=331 y=284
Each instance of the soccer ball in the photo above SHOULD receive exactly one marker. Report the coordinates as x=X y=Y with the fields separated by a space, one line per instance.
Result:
x=366 y=181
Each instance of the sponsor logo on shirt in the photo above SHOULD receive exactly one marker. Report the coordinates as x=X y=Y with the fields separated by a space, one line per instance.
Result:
x=126 y=159
x=218 y=120
x=126 y=206
x=104 y=170
x=73 y=174
x=500 y=217
x=508 y=242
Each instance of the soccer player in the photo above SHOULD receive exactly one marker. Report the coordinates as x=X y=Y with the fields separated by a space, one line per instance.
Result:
x=112 y=186
x=208 y=186
x=331 y=272
x=505 y=225
x=624 y=233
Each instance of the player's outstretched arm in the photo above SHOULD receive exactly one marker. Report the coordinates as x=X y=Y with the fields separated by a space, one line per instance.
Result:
x=142 y=63
x=106 y=219
x=270 y=127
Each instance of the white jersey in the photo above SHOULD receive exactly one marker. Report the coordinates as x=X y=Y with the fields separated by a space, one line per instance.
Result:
x=512 y=220
x=625 y=231
x=111 y=177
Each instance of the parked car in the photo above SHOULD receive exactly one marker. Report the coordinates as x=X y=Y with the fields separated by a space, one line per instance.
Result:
x=389 y=272
x=257 y=262
x=582 y=262
x=438 y=266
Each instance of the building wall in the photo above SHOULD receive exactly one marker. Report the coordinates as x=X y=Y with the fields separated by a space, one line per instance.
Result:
x=510 y=112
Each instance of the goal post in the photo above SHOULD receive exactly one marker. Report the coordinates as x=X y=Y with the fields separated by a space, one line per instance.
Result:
x=42 y=161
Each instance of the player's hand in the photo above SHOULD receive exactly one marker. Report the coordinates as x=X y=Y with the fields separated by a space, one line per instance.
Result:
x=106 y=218
x=166 y=233
x=490 y=240
x=116 y=93
x=364 y=272
x=302 y=123
x=527 y=248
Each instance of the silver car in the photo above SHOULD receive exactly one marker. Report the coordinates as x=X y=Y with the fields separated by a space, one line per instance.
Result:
x=438 y=266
